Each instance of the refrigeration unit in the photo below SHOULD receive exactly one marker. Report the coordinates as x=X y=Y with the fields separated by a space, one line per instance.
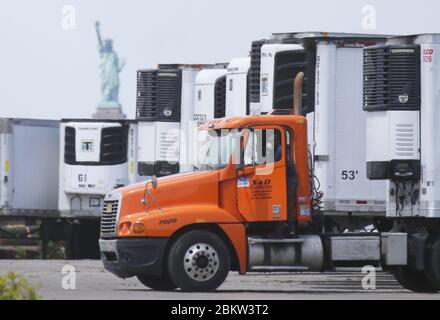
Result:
x=331 y=96
x=96 y=156
x=401 y=97
x=164 y=109
x=237 y=89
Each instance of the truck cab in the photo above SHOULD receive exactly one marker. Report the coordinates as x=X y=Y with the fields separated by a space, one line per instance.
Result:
x=241 y=190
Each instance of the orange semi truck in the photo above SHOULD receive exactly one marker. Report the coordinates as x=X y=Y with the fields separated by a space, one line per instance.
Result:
x=249 y=208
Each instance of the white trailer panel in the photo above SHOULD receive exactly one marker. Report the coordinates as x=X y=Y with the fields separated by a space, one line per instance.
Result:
x=237 y=97
x=29 y=154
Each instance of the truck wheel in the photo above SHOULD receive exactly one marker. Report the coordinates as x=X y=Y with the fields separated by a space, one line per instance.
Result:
x=198 y=261
x=413 y=280
x=432 y=267
x=160 y=283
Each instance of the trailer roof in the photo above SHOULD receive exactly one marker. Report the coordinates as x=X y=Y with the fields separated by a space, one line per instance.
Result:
x=209 y=76
x=300 y=37
x=98 y=120
x=415 y=38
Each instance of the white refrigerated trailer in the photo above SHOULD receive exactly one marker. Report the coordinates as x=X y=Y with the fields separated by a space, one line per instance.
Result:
x=29 y=153
x=97 y=155
x=54 y=175
x=332 y=102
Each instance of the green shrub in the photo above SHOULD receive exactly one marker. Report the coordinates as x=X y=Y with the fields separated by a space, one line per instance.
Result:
x=16 y=287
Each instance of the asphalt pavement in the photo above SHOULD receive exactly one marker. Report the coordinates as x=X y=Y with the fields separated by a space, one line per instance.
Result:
x=91 y=281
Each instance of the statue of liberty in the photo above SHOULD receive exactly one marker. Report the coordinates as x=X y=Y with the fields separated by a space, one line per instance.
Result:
x=110 y=67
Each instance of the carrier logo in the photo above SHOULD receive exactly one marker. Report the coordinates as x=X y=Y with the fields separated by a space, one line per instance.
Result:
x=403 y=98
x=395 y=51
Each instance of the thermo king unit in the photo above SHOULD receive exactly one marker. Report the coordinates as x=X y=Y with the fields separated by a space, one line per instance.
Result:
x=97 y=156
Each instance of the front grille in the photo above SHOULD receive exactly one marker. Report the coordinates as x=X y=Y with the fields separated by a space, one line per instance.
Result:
x=255 y=70
x=109 y=217
x=220 y=98
x=287 y=65
x=158 y=95
x=69 y=145
x=391 y=78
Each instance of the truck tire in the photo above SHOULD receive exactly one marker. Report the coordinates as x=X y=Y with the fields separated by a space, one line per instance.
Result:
x=83 y=240
x=432 y=266
x=413 y=280
x=198 y=261
x=160 y=283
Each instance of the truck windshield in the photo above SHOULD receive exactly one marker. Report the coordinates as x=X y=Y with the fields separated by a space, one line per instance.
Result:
x=215 y=148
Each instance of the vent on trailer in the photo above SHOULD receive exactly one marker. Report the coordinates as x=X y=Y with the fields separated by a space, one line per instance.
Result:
x=392 y=78
x=220 y=98
x=69 y=145
x=159 y=95
x=287 y=65
x=146 y=95
x=114 y=145
x=254 y=71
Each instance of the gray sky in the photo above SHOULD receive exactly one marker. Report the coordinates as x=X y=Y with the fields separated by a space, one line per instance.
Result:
x=49 y=72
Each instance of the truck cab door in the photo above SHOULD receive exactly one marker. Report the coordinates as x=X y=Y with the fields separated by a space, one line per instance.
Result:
x=261 y=179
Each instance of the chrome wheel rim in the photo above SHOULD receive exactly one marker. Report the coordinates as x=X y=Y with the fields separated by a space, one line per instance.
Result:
x=201 y=262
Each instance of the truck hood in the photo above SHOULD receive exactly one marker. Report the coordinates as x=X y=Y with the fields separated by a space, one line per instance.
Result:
x=185 y=189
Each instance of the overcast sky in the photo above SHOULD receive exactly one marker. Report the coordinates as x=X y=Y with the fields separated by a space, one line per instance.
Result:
x=50 y=72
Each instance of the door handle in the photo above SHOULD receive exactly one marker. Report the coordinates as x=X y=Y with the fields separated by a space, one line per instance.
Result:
x=246 y=171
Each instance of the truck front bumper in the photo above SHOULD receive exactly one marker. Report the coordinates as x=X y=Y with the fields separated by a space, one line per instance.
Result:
x=130 y=257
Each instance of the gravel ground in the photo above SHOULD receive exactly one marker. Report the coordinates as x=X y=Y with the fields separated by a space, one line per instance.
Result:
x=93 y=282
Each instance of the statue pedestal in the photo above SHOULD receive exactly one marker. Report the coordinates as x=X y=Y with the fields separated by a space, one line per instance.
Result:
x=109 y=113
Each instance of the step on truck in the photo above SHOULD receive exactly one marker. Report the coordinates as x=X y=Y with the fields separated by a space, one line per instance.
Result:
x=249 y=210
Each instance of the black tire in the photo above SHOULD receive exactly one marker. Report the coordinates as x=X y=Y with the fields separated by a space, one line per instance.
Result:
x=160 y=283
x=413 y=280
x=83 y=240
x=432 y=266
x=198 y=261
